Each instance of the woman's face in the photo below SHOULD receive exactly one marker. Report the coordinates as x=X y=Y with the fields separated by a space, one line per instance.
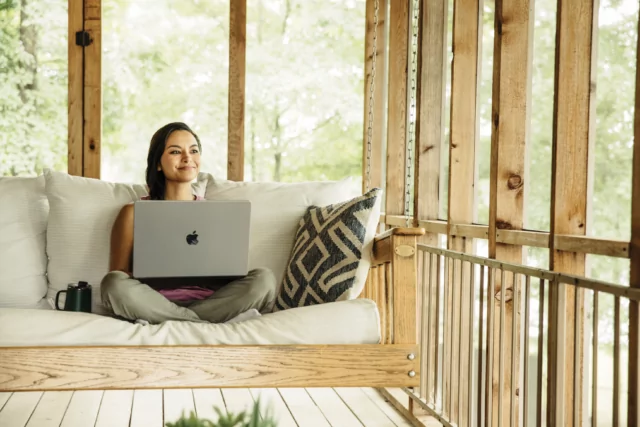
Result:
x=181 y=158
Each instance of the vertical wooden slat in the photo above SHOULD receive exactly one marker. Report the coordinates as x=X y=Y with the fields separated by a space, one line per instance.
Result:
x=92 y=133
x=382 y=302
x=390 y=297
x=374 y=103
x=404 y=303
x=237 y=61
x=513 y=46
x=572 y=136
x=430 y=98
x=397 y=110
x=540 y=355
x=75 y=90
x=616 y=362
x=633 y=416
x=594 y=372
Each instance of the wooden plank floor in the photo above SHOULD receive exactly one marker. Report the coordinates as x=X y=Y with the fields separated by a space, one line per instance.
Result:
x=293 y=407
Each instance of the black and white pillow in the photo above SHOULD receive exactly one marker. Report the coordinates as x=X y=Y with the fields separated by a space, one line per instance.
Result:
x=332 y=253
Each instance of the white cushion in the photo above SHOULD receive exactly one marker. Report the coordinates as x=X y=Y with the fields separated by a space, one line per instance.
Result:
x=276 y=209
x=82 y=213
x=23 y=223
x=319 y=324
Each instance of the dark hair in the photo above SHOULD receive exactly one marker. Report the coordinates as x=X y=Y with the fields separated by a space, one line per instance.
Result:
x=156 y=181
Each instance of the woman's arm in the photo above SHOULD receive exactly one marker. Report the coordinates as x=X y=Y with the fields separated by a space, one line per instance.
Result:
x=122 y=241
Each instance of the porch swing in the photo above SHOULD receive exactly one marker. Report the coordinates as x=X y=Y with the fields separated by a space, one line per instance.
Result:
x=393 y=362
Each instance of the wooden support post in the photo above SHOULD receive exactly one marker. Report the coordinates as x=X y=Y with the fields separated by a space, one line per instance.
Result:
x=237 y=59
x=396 y=130
x=633 y=416
x=404 y=289
x=572 y=135
x=429 y=135
x=513 y=40
x=75 y=91
x=379 y=94
x=92 y=134
x=464 y=87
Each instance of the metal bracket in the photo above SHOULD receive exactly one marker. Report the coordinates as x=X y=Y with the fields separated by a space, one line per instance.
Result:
x=83 y=38
x=404 y=250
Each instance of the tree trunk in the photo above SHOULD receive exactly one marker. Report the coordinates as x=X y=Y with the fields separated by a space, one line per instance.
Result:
x=29 y=42
x=277 y=167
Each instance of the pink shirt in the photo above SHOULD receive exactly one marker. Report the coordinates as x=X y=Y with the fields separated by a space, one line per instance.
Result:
x=185 y=293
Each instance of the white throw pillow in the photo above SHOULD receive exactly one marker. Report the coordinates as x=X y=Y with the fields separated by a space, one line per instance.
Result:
x=276 y=209
x=23 y=224
x=82 y=213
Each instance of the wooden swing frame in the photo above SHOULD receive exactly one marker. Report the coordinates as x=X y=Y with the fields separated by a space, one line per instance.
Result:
x=394 y=362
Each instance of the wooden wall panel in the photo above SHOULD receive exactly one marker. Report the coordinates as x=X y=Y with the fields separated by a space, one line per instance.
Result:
x=633 y=416
x=397 y=111
x=75 y=90
x=379 y=93
x=92 y=134
x=513 y=39
x=572 y=134
x=237 y=61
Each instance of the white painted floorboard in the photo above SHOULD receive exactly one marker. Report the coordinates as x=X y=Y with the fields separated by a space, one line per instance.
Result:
x=292 y=407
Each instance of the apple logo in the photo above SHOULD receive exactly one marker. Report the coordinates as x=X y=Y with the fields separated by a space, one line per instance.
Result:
x=192 y=238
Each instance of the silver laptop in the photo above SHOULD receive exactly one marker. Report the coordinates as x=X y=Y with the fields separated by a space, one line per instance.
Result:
x=191 y=239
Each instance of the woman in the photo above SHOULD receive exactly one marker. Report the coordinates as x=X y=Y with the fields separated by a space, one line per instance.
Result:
x=173 y=163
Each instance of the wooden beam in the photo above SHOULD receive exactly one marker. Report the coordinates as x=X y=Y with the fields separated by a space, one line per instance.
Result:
x=397 y=112
x=374 y=101
x=633 y=414
x=92 y=134
x=75 y=89
x=572 y=135
x=115 y=367
x=236 y=107
x=467 y=33
x=513 y=46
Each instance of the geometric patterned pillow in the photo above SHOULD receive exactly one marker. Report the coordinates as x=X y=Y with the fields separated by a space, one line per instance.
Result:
x=332 y=253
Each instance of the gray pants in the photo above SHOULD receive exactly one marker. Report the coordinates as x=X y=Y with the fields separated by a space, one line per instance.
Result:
x=131 y=299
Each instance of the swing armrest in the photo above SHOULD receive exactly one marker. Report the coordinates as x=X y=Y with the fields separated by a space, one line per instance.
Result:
x=384 y=243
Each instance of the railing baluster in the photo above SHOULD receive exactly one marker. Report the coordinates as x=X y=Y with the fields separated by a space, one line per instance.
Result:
x=453 y=331
x=480 y=349
x=426 y=325
x=472 y=294
x=436 y=336
x=513 y=349
x=540 y=356
x=491 y=293
x=594 y=387
x=446 y=406
x=501 y=347
x=460 y=329
x=524 y=393
x=616 y=362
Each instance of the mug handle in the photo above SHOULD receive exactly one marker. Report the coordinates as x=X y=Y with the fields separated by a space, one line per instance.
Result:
x=58 y=298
